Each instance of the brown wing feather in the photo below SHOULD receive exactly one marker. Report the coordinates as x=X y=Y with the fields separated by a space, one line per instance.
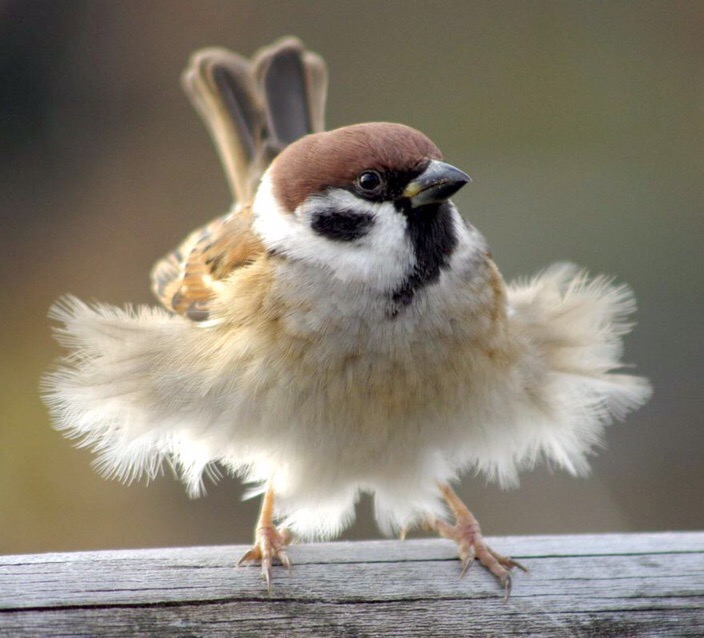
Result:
x=186 y=279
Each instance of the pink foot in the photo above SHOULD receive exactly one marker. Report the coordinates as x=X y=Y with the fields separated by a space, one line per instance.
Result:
x=269 y=544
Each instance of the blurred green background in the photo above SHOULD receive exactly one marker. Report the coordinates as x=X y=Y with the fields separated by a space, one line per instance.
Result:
x=581 y=122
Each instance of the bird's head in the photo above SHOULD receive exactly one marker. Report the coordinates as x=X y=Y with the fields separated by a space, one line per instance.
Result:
x=368 y=202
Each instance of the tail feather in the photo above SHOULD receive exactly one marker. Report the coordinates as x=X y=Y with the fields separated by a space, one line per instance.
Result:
x=255 y=109
x=292 y=83
x=317 y=83
x=220 y=86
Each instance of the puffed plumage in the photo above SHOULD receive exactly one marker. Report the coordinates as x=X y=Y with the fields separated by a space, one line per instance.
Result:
x=323 y=341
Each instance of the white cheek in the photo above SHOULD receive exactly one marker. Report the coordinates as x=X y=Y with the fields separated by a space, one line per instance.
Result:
x=271 y=223
x=382 y=258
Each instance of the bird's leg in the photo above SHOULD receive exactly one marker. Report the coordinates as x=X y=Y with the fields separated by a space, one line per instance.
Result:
x=466 y=533
x=269 y=542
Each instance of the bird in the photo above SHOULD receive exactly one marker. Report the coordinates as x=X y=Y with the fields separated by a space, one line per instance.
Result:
x=342 y=330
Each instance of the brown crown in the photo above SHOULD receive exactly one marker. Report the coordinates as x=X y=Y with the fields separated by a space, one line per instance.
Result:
x=336 y=158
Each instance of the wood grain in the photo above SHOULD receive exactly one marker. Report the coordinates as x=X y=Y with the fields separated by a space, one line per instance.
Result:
x=606 y=585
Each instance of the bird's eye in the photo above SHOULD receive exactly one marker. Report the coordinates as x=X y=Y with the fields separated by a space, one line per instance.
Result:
x=369 y=181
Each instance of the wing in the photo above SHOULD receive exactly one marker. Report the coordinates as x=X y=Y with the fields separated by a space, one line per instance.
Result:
x=253 y=110
x=186 y=279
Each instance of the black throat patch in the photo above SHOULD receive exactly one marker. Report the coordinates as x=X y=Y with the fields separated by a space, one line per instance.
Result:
x=434 y=239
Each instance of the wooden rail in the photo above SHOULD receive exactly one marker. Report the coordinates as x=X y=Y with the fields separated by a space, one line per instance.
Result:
x=591 y=586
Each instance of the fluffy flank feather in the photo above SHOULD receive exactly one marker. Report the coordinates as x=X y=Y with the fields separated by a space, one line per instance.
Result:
x=573 y=325
x=121 y=393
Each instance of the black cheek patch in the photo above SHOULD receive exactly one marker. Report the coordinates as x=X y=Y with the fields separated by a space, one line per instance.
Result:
x=342 y=225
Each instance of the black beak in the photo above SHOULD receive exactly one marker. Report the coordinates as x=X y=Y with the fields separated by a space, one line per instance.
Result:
x=436 y=184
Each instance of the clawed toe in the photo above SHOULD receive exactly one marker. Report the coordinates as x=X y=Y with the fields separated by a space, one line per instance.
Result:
x=506 y=582
x=250 y=555
x=507 y=562
x=468 y=554
x=269 y=542
x=269 y=546
x=471 y=545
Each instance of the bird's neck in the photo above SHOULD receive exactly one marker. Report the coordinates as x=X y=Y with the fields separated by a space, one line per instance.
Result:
x=467 y=284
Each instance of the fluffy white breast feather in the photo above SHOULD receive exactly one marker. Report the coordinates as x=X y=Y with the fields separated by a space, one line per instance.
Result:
x=305 y=382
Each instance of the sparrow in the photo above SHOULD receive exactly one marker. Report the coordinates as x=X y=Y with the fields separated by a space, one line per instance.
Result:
x=342 y=330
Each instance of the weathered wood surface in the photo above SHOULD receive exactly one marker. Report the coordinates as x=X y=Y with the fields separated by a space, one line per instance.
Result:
x=591 y=586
